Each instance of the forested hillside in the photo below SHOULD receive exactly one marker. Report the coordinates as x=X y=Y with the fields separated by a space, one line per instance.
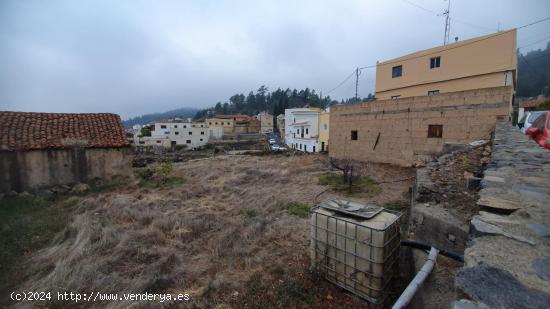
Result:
x=184 y=112
x=534 y=73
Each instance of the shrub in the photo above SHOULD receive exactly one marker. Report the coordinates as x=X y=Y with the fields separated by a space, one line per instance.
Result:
x=298 y=209
x=165 y=169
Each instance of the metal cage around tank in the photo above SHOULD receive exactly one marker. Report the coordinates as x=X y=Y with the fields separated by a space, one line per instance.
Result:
x=352 y=254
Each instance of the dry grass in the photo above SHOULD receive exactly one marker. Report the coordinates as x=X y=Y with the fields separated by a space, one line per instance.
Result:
x=211 y=236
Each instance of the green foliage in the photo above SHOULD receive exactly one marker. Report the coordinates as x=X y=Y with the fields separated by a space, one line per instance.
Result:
x=180 y=147
x=466 y=161
x=298 y=209
x=165 y=169
x=184 y=112
x=274 y=102
x=396 y=205
x=363 y=185
x=145 y=131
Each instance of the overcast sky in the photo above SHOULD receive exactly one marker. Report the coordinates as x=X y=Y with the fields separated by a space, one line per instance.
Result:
x=134 y=57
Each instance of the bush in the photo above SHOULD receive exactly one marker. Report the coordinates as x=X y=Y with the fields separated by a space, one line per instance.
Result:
x=360 y=184
x=298 y=209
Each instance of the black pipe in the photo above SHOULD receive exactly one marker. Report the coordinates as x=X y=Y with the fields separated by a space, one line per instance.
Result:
x=423 y=246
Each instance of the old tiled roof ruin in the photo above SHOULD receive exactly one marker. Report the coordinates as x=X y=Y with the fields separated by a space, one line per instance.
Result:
x=34 y=131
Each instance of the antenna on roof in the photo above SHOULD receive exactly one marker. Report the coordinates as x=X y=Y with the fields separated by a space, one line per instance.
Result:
x=447 y=14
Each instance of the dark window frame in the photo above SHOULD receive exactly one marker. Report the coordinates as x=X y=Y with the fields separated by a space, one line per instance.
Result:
x=397 y=71
x=435 y=131
x=435 y=62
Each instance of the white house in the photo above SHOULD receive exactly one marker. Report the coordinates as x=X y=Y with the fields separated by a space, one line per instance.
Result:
x=302 y=129
x=179 y=132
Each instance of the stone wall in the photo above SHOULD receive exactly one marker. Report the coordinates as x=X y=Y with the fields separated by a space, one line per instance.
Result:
x=27 y=170
x=396 y=131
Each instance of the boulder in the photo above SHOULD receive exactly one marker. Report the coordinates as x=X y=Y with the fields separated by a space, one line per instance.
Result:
x=80 y=188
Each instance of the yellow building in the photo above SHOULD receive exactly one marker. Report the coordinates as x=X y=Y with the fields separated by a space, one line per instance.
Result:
x=324 y=127
x=227 y=122
x=482 y=62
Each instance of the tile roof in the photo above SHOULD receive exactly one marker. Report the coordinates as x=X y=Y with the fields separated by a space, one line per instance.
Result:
x=29 y=131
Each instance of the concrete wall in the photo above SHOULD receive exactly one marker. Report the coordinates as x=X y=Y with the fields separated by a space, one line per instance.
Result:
x=26 y=170
x=396 y=131
x=471 y=64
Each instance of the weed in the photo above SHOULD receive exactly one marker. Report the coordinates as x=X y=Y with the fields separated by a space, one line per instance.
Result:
x=396 y=205
x=466 y=161
x=298 y=209
x=169 y=182
x=249 y=213
x=360 y=185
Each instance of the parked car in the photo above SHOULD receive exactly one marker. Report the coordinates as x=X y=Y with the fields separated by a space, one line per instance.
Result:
x=540 y=130
x=527 y=120
x=272 y=141
x=275 y=147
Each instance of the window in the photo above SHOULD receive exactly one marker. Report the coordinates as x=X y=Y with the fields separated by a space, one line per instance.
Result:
x=201 y=139
x=435 y=131
x=176 y=126
x=395 y=97
x=300 y=146
x=435 y=62
x=433 y=92
x=188 y=141
x=354 y=135
x=190 y=133
x=141 y=142
x=396 y=71
x=177 y=133
x=162 y=126
x=307 y=131
x=158 y=142
x=325 y=126
x=202 y=132
x=313 y=148
x=185 y=127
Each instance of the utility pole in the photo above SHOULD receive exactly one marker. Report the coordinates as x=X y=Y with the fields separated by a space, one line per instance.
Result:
x=447 y=14
x=356 y=82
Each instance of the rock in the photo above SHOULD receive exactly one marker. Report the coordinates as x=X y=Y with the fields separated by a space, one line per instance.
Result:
x=80 y=188
x=24 y=194
x=467 y=175
x=484 y=160
x=480 y=228
x=465 y=304
x=540 y=229
x=452 y=238
x=498 y=288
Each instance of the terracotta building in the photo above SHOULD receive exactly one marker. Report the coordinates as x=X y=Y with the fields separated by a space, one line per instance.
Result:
x=482 y=62
x=46 y=149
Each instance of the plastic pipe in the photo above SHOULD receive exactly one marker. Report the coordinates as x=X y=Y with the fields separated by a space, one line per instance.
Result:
x=423 y=246
x=417 y=281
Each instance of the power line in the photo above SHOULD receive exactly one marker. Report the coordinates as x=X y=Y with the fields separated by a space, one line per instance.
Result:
x=533 y=43
x=340 y=84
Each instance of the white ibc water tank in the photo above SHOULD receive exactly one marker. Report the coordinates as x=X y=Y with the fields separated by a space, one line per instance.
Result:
x=355 y=246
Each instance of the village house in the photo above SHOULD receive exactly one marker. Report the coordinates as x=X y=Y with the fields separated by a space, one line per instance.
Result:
x=482 y=62
x=170 y=133
x=281 y=126
x=47 y=149
x=443 y=96
x=307 y=129
x=266 y=122
x=226 y=122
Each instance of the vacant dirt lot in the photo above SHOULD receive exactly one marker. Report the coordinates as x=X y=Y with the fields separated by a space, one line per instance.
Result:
x=230 y=232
